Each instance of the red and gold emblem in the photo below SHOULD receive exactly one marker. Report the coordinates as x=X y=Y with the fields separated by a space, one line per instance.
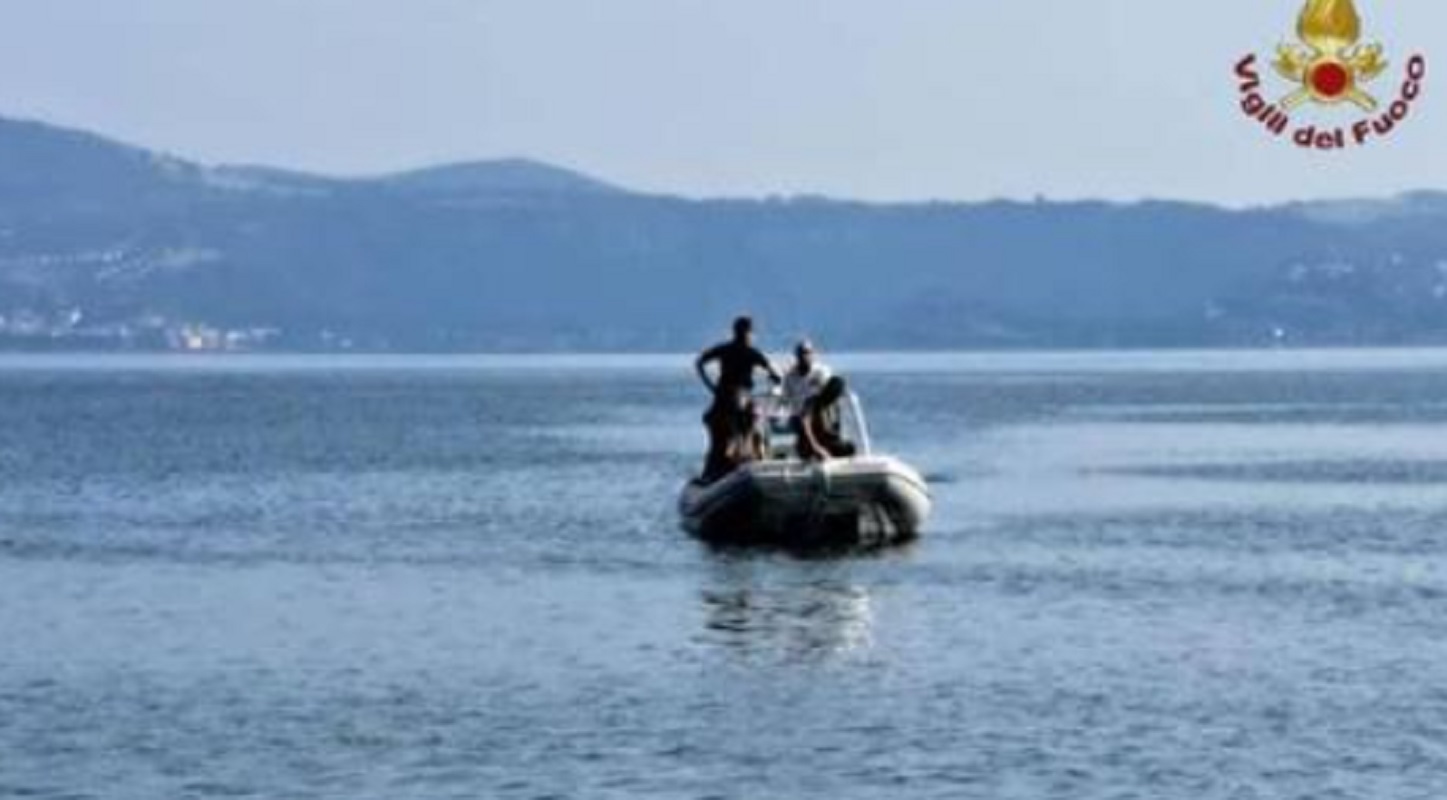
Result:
x=1330 y=67
x=1332 y=64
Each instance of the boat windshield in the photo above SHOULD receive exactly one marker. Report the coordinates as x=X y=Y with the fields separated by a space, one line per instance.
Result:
x=773 y=420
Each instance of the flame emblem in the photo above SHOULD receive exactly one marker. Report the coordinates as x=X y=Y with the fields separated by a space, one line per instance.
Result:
x=1332 y=64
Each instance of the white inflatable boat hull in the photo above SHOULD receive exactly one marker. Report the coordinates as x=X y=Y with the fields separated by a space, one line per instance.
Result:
x=866 y=501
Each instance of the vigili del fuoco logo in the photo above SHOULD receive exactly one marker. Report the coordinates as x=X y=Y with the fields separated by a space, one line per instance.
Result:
x=1330 y=70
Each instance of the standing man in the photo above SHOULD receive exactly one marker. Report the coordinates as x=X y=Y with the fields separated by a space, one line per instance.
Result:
x=730 y=418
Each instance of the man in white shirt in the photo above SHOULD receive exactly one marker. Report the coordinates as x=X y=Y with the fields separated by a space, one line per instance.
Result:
x=805 y=378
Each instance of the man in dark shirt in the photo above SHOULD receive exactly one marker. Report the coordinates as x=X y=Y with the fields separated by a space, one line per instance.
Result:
x=821 y=435
x=730 y=418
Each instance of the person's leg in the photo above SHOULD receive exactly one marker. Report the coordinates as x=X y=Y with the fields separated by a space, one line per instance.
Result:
x=716 y=463
x=839 y=447
x=801 y=439
x=740 y=435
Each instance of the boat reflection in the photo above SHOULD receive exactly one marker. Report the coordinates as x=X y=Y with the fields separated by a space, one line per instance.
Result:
x=793 y=617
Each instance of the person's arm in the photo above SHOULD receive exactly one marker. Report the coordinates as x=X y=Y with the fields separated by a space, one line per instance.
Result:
x=700 y=366
x=816 y=451
x=762 y=362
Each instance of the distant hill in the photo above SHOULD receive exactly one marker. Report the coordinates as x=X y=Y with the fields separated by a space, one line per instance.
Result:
x=104 y=245
x=485 y=179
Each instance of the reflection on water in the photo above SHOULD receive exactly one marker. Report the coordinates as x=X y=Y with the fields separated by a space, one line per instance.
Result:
x=752 y=611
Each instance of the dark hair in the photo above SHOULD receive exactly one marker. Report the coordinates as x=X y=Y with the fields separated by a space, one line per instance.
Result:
x=832 y=390
x=743 y=326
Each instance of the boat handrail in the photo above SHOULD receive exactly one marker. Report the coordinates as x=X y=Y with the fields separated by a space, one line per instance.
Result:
x=861 y=432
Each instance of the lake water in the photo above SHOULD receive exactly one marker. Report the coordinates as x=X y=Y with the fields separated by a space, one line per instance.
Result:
x=1178 y=575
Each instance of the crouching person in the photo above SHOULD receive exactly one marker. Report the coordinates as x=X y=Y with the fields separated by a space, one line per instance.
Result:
x=821 y=424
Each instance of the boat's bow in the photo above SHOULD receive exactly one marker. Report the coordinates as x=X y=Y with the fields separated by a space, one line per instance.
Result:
x=860 y=501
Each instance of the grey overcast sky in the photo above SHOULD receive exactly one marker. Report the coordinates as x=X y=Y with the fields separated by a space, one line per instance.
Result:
x=872 y=99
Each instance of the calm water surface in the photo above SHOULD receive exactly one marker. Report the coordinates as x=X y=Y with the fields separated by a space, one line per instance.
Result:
x=1190 y=575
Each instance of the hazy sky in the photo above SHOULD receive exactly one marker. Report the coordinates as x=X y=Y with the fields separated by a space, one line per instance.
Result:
x=876 y=99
